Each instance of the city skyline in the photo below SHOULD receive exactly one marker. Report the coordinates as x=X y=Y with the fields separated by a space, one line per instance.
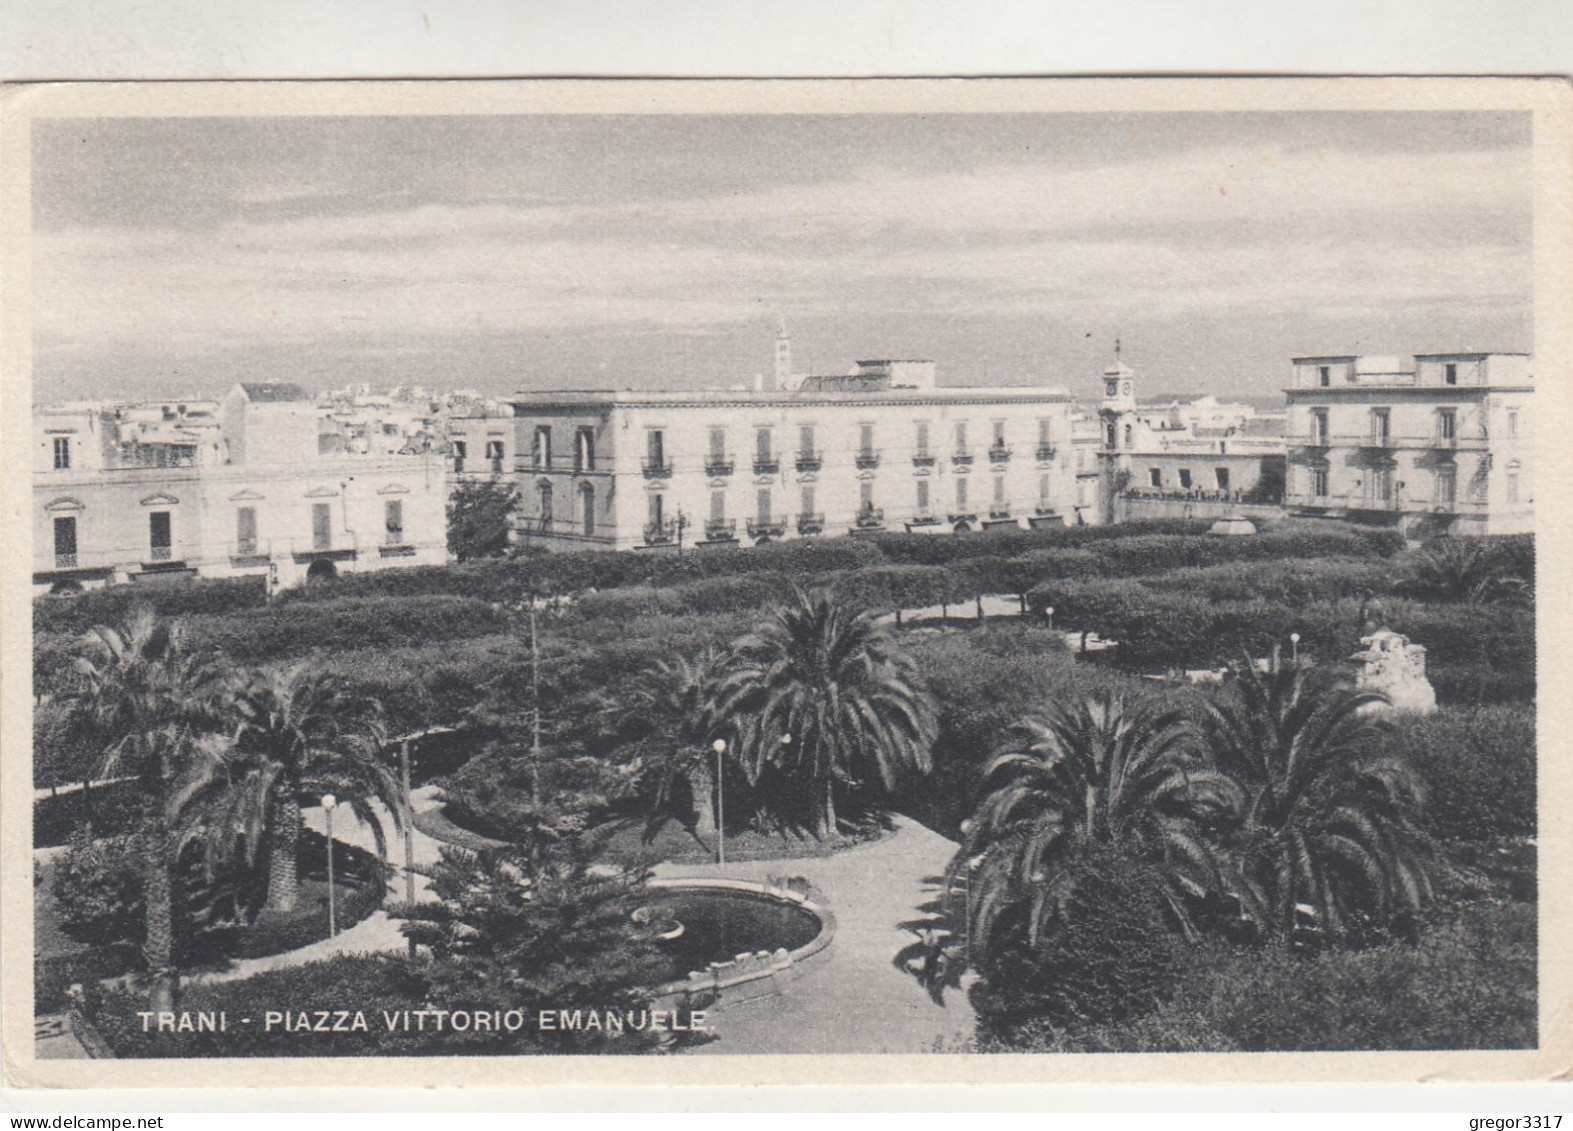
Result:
x=176 y=256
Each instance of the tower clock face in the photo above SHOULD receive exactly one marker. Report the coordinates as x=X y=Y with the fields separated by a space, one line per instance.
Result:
x=1125 y=389
x=1113 y=387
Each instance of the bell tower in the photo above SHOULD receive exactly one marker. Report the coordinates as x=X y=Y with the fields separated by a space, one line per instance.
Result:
x=783 y=369
x=1117 y=428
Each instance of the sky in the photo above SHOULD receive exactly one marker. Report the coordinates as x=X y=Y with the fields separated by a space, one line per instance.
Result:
x=175 y=256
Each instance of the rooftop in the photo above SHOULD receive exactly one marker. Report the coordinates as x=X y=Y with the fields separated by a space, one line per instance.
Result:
x=263 y=392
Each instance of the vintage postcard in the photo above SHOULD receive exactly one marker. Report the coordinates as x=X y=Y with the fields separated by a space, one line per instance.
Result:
x=787 y=582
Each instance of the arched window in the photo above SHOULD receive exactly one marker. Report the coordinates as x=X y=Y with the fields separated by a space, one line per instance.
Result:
x=587 y=508
x=545 y=490
x=1130 y=436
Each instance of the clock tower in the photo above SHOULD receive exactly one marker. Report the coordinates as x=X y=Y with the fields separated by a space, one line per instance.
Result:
x=1117 y=427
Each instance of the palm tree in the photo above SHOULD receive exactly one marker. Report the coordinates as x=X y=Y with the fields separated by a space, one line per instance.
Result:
x=1470 y=570
x=150 y=702
x=1328 y=823
x=299 y=733
x=827 y=698
x=674 y=705
x=1103 y=772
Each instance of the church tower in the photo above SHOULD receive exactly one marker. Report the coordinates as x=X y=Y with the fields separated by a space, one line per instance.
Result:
x=1117 y=425
x=783 y=370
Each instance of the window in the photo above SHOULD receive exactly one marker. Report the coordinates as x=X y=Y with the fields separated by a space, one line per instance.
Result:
x=62 y=453
x=999 y=433
x=1319 y=427
x=393 y=522
x=762 y=445
x=961 y=495
x=245 y=530
x=1130 y=436
x=657 y=513
x=718 y=445
x=584 y=449
x=1512 y=497
x=541 y=454
x=999 y=490
x=805 y=439
x=321 y=526
x=806 y=499
x=460 y=450
x=1044 y=489
x=1319 y=482
x=1081 y=459
x=922 y=448
x=1450 y=373
x=655 y=447
x=1446 y=486
x=865 y=439
x=548 y=505
x=587 y=510
x=494 y=454
x=1447 y=424
x=1045 y=432
x=866 y=496
x=1324 y=375
x=1382 y=485
x=762 y=501
x=1221 y=477
x=65 y=543
x=1381 y=426
x=159 y=538
x=717 y=506
x=961 y=437
x=1154 y=477
x=1512 y=423
x=1185 y=478
x=923 y=496
x=1110 y=435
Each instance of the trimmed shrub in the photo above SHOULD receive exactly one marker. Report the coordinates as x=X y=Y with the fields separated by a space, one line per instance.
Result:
x=111 y=605
x=1479 y=765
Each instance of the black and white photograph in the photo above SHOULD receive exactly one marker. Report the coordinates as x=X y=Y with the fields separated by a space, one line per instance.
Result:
x=662 y=573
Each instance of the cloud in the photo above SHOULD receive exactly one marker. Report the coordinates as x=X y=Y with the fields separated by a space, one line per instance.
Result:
x=1219 y=233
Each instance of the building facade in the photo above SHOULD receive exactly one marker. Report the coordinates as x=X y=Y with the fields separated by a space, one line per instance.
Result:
x=255 y=495
x=1185 y=452
x=881 y=448
x=1434 y=444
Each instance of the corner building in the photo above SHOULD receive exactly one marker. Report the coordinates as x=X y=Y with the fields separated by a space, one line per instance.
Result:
x=1434 y=444
x=880 y=449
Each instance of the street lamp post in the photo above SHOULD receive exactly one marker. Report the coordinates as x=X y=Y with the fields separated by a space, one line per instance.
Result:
x=719 y=746
x=1294 y=647
x=1048 y=615
x=328 y=804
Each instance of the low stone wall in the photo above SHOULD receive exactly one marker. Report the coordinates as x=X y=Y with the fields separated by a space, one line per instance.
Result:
x=1135 y=509
x=744 y=977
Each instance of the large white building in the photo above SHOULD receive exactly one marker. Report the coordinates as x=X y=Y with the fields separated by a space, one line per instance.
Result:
x=881 y=448
x=247 y=489
x=1434 y=444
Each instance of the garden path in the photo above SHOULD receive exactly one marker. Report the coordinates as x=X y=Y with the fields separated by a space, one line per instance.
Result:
x=378 y=931
x=851 y=998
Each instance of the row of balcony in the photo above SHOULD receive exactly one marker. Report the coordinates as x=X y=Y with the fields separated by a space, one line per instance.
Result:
x=1386 y=441
x=661 y=468
x=1387 y=504
x=668 y=530
x=257 y=550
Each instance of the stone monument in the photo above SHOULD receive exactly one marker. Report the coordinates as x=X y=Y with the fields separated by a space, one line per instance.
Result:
x=1387 y=662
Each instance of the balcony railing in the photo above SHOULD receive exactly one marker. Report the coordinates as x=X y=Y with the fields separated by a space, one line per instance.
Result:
x=718 y=465
x=721 y=530
x=1379 y=440
x=809 y=461
x=924 y=519
x=922 y=459
x=999 y=512
x=867 y=461
x=340 y=544
x=766 y=527
x=1045 y=509
x=161 y=554
x=961 y=456
x=659 y=533
x=962 y=516
x=657 y=467
x=396 y=546
x=65 y=561
x=999 y=453
x=766 y=465
x=870 y=518
x=810 y=523
x=1045 y=452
